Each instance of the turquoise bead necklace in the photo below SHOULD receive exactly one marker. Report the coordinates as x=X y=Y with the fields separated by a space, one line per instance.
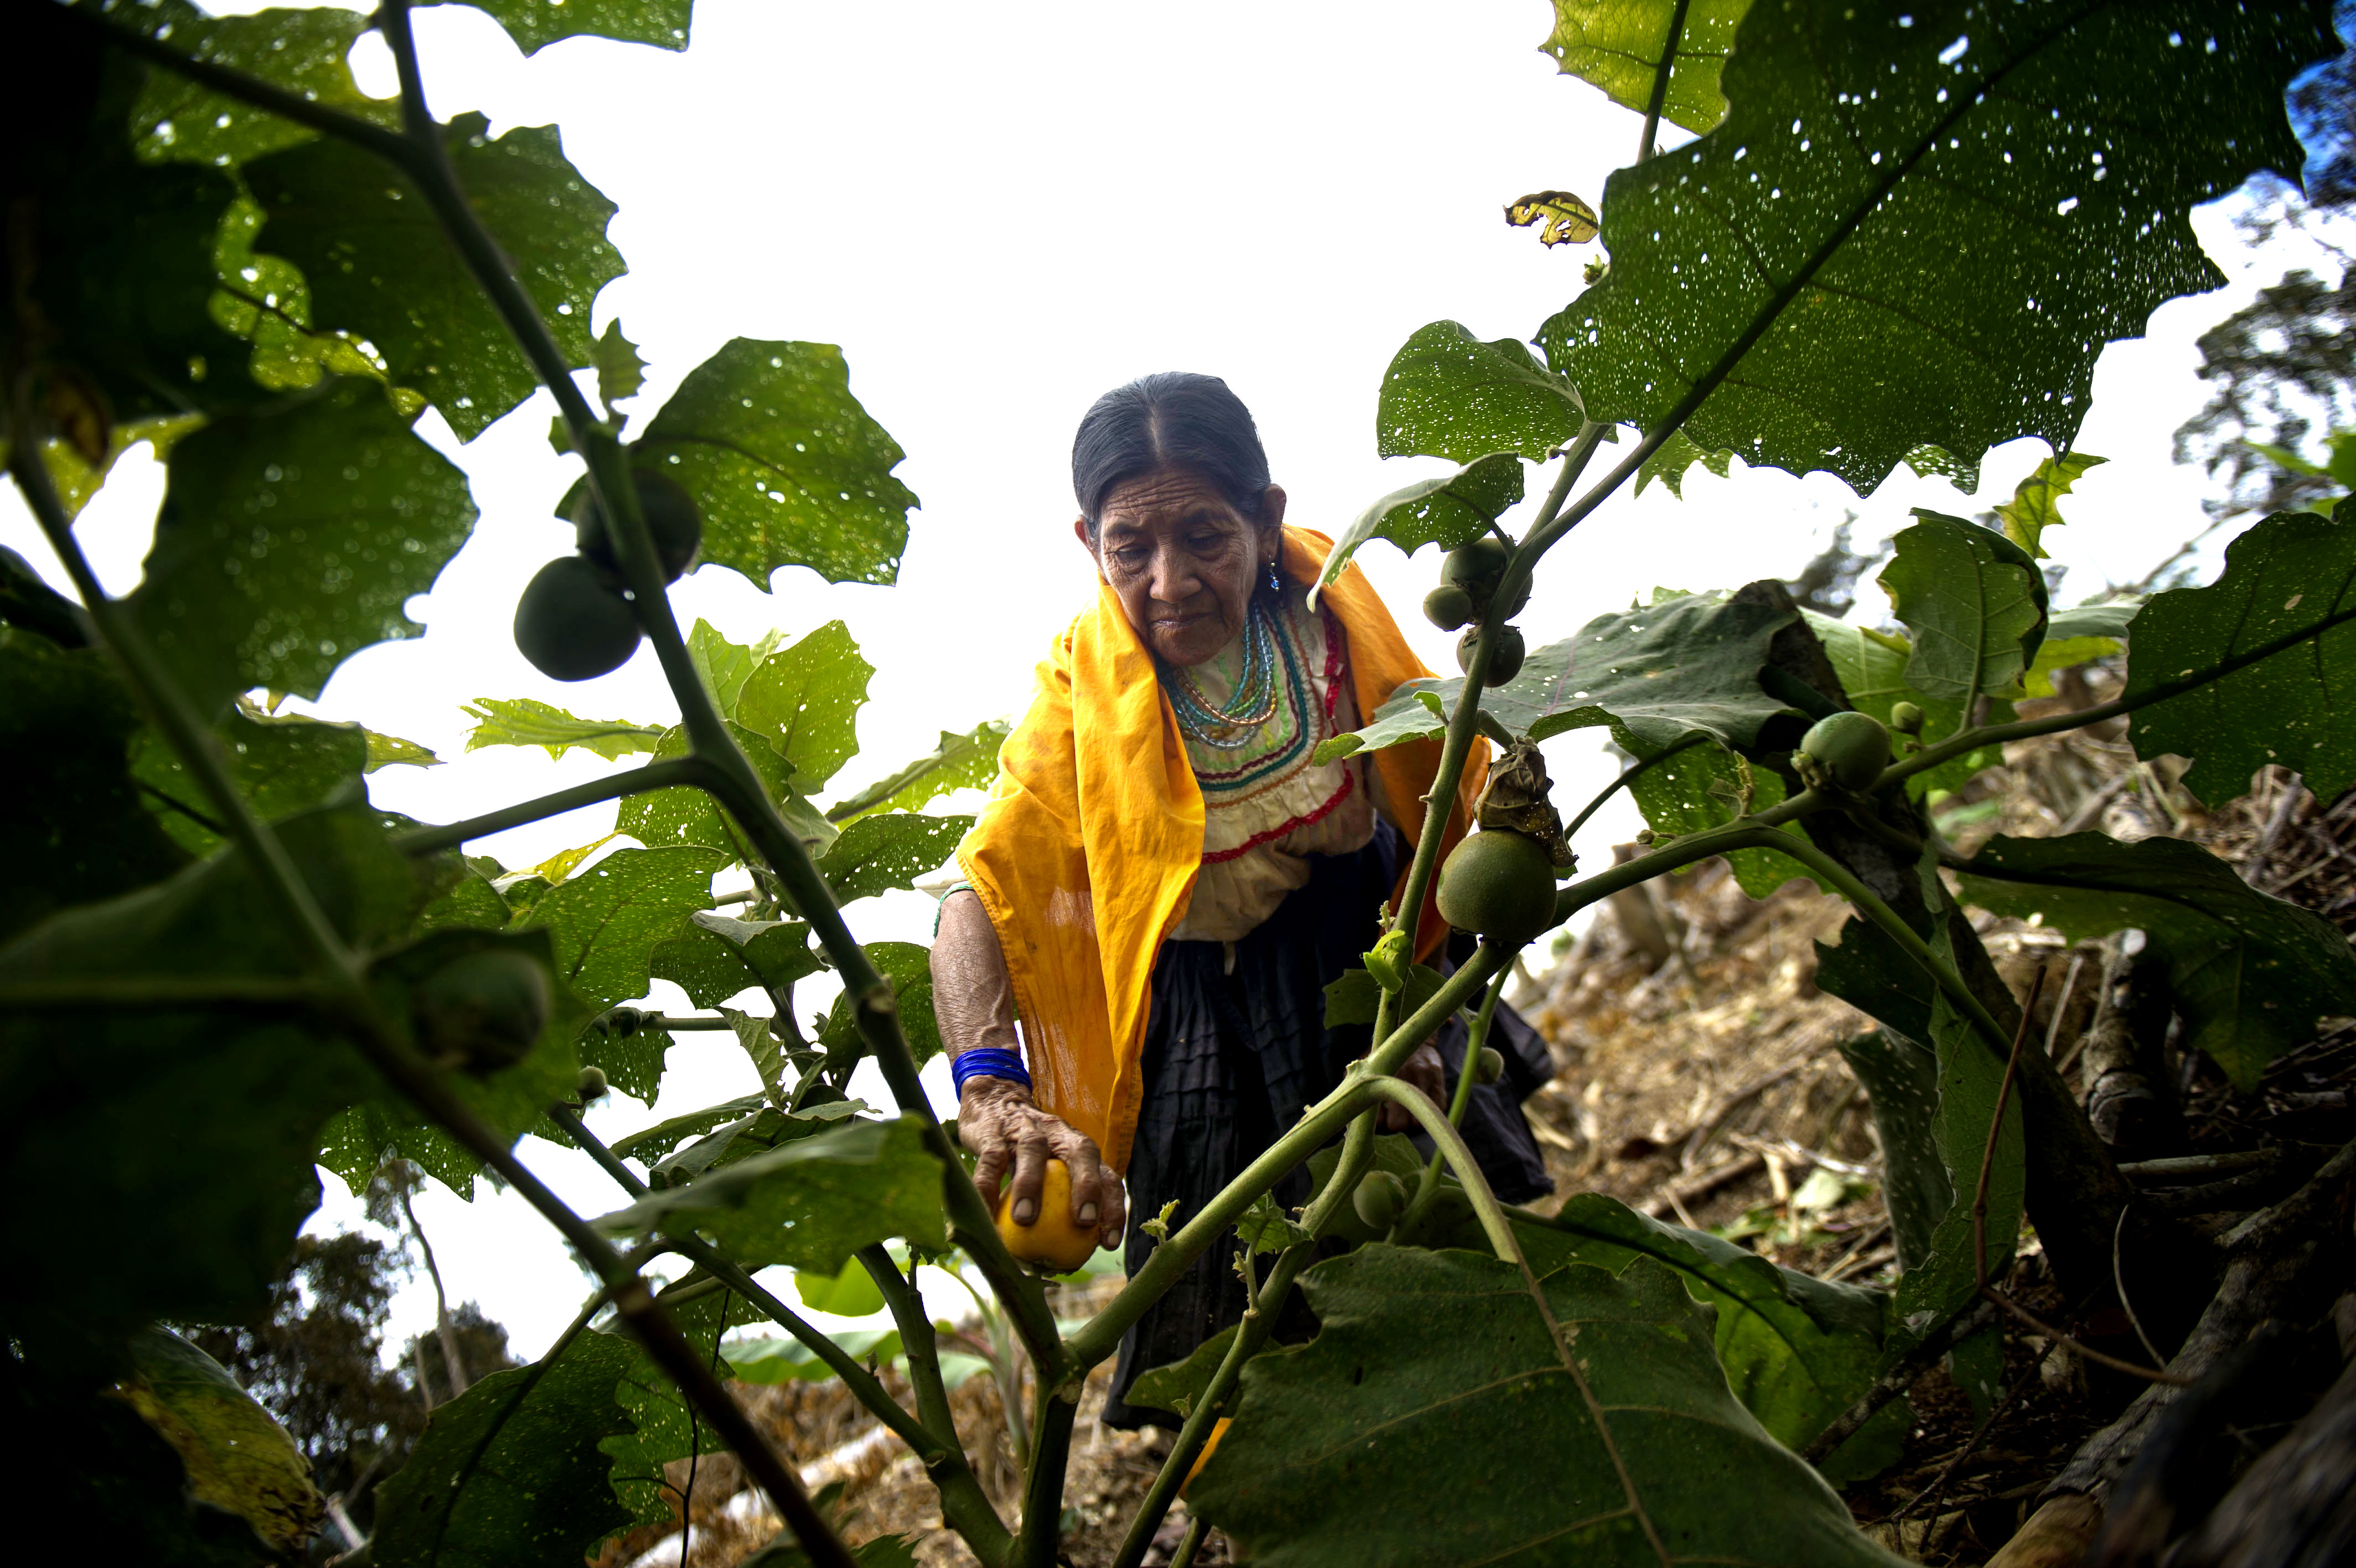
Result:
x=1227 y=726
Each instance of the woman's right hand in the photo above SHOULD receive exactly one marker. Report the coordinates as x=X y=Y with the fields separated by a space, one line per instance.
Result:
x=1006 y=1130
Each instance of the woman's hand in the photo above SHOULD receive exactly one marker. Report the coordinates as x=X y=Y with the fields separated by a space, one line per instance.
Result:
x=1426 y=1073
x=999 y=1122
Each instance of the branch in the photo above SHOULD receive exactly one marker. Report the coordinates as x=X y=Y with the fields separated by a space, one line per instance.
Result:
x=665 y=775
x=1493 y=1223
x=1660 y=95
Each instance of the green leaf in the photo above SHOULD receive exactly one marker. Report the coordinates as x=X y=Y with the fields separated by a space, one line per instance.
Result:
x=1975 y=602
x=1353 y=995
x=288 y=542
x=1266 y=1227
x=512 y=1471
x=1447 y=509
x=1902 y=1082
x=620 y=372
x=658 y=1139
x=1821 y=275
x=1180 y=1385
x=239 y=1095
x=1658 y=673
x=968 y=761
x=908 y=970
x=878 y=853
x=1621 y=47
x=2036 y=503
x=1938 y=463
x=1873 y=669
x=1670 y=460
x=804 y=700
x=762 y=1129
x=662 y=1425
x=379 y=264
x=808 y=1205
x=853 y=1292
x=684 y=814
x=788 y=467
x=74 y=828
x=536 y=24
x=1647 y=1455
x=178 y=119
x=790 y=1360
x=2288 y=574
x=1448 y=394
x=281 y=765
x=726 y=666
x=720 y=957
x=389 y=750
x=2250 y=972
x=525 y=721
x=237 y=1457
x=266 y=300
x=1702 y=787
x=607 y=922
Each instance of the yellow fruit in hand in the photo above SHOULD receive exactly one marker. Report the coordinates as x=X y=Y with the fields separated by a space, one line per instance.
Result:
x=1052 y=1239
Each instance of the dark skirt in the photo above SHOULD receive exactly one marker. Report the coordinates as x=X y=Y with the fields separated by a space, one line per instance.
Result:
x=1235 y=1052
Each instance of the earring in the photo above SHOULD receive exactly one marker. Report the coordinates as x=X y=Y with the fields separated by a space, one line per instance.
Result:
x=1275 y=583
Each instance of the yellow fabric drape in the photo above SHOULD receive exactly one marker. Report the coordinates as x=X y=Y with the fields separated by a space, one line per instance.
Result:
x=1086 y=855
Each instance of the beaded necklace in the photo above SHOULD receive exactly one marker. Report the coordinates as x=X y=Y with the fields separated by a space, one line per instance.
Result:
x=1227 y=726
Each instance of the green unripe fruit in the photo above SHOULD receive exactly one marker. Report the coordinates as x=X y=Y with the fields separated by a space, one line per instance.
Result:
x=571 y=625
x=1448 y=606
x=482 y=1012
x=1380 y=1199
x=590 y=1084
x=1906 y=718
x=1490 y=1065
x=1500 y=884
x=1505 y=662
x=1848 y=751
x=1475 y=567
x=671 y=516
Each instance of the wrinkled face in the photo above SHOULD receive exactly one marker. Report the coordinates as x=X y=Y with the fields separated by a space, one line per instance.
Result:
x=1182 y=561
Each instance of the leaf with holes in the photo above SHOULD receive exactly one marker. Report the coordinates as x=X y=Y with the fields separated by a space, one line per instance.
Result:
x=536 y=24
x=607 y=922
x=808 y=1205
x=879 y=854
x=308 y=53
x=2250 y=972
x=804 y=700
x=1956 y=206
x=524 y=720
x=2292 y=573
x=968 y=761
x=1385 y=1442
x=789 y=469
x=907 y=969
x=1561 y=216
x=379 y=265
x=1448 y=394
x=1672 y=458
x=1975 y=602
x=287 y=543
x=1447 y=509
x=1623 y=46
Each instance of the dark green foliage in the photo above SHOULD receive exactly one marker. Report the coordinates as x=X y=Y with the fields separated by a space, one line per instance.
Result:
x=907 y=969
x=536 y=24
x=888 y=850
x=307 y=51
x=719 y=957
x=1450 y=510
x=1448 y=394
x=282 y=765
x=1874 y=200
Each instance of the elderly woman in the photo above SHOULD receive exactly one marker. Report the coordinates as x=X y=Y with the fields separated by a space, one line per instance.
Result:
x=1164 y=880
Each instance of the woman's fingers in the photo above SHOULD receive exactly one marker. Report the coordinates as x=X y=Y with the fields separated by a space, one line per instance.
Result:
x=1030 y=1152
x=990 y=1167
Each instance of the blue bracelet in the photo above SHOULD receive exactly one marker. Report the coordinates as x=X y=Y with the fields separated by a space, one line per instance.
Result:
x=987 y=1063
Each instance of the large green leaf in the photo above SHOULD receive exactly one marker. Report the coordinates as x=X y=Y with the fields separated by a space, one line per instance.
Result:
x=288 y=542
x=878 y=853
x=180 y=120
x=908 y=970
x=968 y=761
x=237 y=1456
x=662 y=1426
x=1407 y=1430
x=524 y=720
x=1975 y=602
x=2036 y=503
x=511 y=1471
x=1669 y=461
x=281 y=765
x=380 y=267
x=536 y=24
x=726 y=666
x=1448 y=394
x=805 y=701
x=808 y=1205
x=720 y=957
x=684 y=814
x=791 y=1362
x=1448 y=509
x=2251 y=973
x=790 y=469
x=1621 y=47
x=1919 y=227
x=606 y=921
x=1698 y=787
x=72 y=825
x=1658 y=673
x=1901 y=1083
x=266 y=300
x=239 y=1095
x=2291 y=573
x=1872 y=670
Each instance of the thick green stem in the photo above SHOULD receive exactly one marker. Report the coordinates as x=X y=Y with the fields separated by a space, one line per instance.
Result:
x=1477 y=1037
x=1659 y=98
x=1043 y=1495
x=1485 y=1207
x=665 y=775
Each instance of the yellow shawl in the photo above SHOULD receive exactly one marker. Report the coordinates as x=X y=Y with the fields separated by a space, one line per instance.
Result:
x=1086 y=855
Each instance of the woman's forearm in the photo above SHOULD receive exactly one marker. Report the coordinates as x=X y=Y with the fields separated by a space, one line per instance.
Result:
x=973 y=994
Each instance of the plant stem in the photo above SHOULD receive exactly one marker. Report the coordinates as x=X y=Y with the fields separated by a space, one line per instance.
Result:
x=667 y=774
x=1492 y=1215
x=1995 y=1127
x=1660 y=94
x=1474 y=1039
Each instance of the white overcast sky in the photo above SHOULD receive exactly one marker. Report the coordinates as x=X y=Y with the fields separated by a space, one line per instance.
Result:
x=999 y=213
